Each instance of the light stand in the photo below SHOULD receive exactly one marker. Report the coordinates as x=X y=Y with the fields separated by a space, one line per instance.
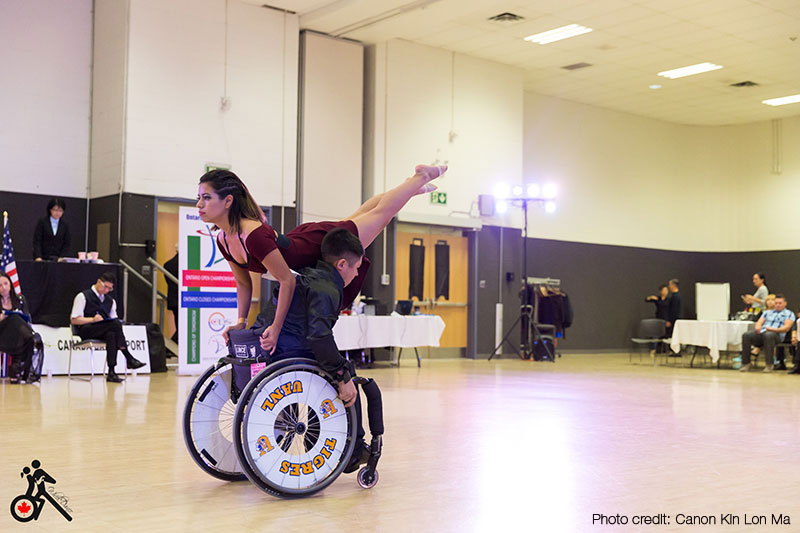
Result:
x=529 y=332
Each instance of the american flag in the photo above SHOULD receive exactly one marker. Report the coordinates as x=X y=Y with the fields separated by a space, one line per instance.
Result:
x=7 y=263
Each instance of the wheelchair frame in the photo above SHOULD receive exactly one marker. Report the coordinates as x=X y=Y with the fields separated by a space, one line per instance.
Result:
x=254 y=432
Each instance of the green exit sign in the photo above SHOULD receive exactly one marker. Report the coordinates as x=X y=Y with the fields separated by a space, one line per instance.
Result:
x=216 y=166
x=439 y=198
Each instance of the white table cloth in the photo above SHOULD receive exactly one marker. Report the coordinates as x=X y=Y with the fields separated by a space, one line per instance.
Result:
x=715 y=335
x=367 y=331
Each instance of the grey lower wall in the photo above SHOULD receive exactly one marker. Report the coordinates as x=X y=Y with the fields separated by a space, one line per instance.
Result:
x=607 y=284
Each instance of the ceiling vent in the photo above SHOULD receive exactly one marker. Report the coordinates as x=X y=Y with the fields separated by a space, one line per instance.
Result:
x=506 y=18
x=745 y=84
x=576 y=66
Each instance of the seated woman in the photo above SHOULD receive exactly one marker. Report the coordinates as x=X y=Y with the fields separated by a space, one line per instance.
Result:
x=251 y=245
x=17 y=338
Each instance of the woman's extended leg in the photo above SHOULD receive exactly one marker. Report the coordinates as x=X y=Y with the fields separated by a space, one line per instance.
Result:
x=371 y=221
x=373 y=202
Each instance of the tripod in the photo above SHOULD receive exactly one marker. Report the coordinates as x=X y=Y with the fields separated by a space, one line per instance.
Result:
x=530 y=334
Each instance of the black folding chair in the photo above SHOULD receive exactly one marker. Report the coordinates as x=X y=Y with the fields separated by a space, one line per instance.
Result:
x=651 y=332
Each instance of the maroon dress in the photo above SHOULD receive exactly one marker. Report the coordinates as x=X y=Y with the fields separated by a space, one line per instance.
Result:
x=300 y=248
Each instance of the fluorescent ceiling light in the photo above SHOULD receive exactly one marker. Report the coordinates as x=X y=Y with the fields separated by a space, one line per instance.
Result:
x=691 y=70
x=795 y=98
x=564 y=32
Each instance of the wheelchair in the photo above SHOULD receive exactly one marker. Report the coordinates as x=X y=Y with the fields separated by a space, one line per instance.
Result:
x=284 y=428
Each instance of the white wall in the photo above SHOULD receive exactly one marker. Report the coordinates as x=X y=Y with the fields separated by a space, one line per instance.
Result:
x=418 y=95
x=176 y=77
x=108 y=96
x=45 y=57
x=765 y=207
x=332 y=124
x=633 y=181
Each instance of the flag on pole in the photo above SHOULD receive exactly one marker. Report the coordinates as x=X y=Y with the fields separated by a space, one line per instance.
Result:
x=7 y=263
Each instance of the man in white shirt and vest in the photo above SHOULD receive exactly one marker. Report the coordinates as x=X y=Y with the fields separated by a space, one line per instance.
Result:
x=94 y=313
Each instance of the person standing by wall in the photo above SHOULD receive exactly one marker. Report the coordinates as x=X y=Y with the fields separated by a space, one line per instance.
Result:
x=51 y=238
x=675 y=306
x=758 y=299
x=661 y=302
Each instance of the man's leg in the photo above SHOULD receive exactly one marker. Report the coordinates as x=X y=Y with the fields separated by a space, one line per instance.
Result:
x=771 y=339
x=122 y=345
x=372 y=221
x=749 y=339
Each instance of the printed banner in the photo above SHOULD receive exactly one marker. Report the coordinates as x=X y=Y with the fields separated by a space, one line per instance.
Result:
x=208 y=295
x=57 y=343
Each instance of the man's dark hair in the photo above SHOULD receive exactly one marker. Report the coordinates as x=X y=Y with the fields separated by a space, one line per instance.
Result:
x=108 y=277
x=762 y=276
x=340 y=243
x=56 y=202
x=780 y=295
x=675 y=282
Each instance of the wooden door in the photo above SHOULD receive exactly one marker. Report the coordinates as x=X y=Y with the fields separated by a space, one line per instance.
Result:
x=452 y=310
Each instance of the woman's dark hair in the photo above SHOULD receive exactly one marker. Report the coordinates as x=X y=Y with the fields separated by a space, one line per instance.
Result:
x=56 y=202
x=662 y=286
x=224 y=183
x=762 y=276
x=13 y=294
x=340 y=243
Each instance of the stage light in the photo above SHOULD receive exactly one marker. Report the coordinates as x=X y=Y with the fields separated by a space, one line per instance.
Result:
x=517 y=190
x=533 y=190
x=550 y=207
x=502 y=190
x=549 y=191
x=501 y=207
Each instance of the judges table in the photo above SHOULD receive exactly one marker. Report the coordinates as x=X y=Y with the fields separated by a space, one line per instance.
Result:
x=715 y=335
x=49 y=287
x=367 y=331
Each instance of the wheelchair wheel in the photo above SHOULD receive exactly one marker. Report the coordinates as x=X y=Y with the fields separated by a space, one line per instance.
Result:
x=208 y=424
x=293 y=435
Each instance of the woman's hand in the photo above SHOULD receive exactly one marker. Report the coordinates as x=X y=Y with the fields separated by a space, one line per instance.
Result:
x=232 y=326
x=269 y=339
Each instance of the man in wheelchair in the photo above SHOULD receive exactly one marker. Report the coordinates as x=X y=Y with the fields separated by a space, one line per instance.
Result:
x=308 y=328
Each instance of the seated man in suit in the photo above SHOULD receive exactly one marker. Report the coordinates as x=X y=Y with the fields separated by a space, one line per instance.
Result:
x=770 y=330
x=94 y=313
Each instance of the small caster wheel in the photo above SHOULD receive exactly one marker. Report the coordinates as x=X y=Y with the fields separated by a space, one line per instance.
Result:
x=366 y=481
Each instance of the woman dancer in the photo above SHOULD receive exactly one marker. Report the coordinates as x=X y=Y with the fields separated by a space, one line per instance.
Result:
x=251 y=245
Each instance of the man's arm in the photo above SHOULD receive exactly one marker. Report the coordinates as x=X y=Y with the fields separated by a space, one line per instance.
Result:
x=76 y=317
x=759 y=324
x=787 y=325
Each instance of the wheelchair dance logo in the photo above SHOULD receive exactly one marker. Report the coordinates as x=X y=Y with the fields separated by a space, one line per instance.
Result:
x=28 y=506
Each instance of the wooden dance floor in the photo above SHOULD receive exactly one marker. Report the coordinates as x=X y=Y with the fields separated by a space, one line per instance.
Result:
x=504 y=445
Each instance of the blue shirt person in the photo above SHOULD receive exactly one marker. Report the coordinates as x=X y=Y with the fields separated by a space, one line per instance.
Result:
x=770 y=330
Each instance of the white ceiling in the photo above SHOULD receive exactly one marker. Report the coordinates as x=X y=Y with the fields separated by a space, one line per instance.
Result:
x=754 y=40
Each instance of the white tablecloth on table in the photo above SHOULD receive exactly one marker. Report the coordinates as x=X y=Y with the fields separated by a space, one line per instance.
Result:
x=716 y=335
x=367 y=331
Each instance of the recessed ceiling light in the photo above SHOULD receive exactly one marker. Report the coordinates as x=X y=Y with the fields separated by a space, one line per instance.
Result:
x=655 y=86
x=564 y=32
x=691 y=70
x=795 y=98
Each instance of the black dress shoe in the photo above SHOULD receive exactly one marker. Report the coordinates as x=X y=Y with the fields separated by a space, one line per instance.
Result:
x=795 y=370
x=360 y=457
x=134 y=363
x=112 y=377
x=780 y=366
